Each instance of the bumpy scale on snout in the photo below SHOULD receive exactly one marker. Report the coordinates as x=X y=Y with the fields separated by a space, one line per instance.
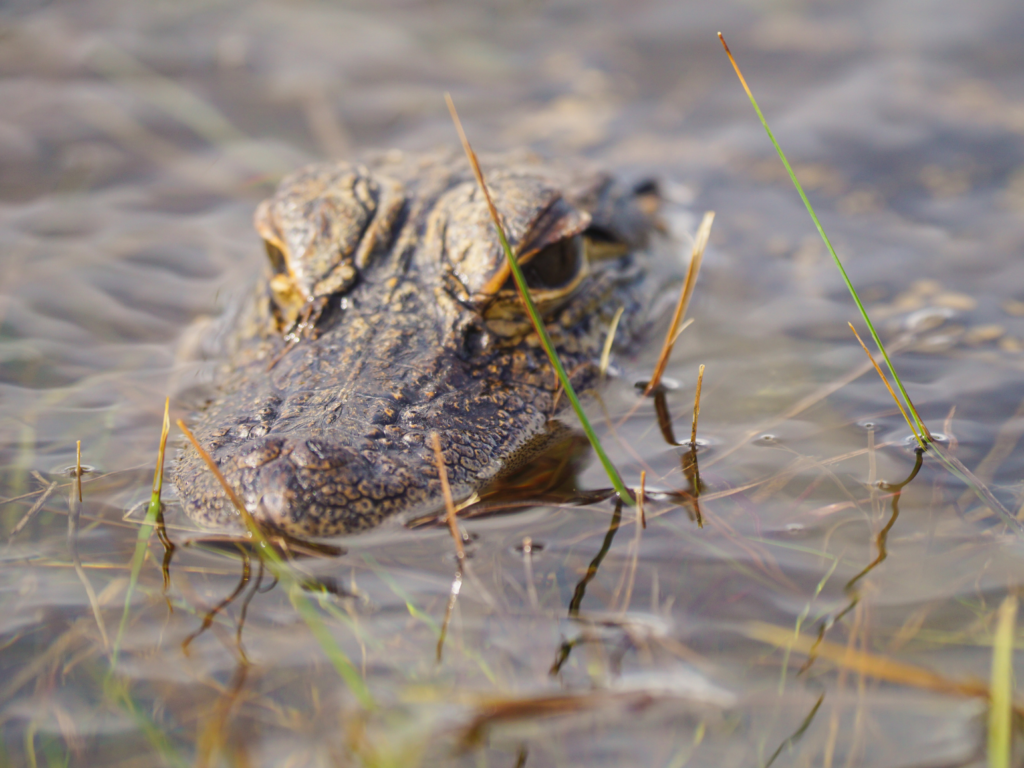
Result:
x=388 y=314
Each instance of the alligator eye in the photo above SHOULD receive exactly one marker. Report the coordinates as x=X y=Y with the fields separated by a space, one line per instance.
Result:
x=555 y=266
x=553 y=274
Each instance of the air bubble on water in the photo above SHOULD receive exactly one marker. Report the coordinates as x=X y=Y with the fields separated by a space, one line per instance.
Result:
x=72 y=470
x=534 y=547
x=937 y=437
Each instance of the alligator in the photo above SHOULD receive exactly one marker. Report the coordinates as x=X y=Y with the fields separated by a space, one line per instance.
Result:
x=388 y=313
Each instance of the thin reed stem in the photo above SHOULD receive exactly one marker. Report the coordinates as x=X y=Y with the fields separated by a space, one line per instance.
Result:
x=828 y=244
x=885 y=381
x=700 y=242
x=606 y=350
x=640 y=498
x=696 y=406
x=74 y=514
x=449 y=503
x=145 y=531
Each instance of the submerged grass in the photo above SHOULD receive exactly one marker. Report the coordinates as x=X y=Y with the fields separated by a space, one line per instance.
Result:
x=32 y=511
x=794 y=737
x=872 y=665
x=294 y=585
x=74 y=516
x=538 y=322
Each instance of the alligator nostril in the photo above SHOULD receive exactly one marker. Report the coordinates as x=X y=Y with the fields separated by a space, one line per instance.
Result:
x=279 y=494
x=382 y=414
x=475 y=342
x=309 y=454
x=274 y=506
x=262 y=453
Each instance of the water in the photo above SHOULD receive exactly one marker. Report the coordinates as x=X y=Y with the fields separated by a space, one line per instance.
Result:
x=135 y=140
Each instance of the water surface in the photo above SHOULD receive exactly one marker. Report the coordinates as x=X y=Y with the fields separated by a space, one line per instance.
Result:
x=135 y=141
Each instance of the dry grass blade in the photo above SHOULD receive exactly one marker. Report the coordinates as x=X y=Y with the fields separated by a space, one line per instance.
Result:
x=460 y=551
x=606 y=351
x=640 y=498
x=679 y=331
x=1000 y=713
x=881 y=374
x=696 y=406
x=453 y=596
x=449 y=503
x=32 y=511
x=75 y=510
x=866 y=663
x=517 y=710
x=78 y=470
x=629 y=573
x=67 y=643
x=158 y=473
x=700 y=242
x=1006 y=440
x=212 y=740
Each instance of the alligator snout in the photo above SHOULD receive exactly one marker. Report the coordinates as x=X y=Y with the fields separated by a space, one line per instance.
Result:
x=396 y=319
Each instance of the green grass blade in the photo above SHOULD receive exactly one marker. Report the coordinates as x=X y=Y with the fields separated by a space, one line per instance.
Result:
x=141 y=544
x=828 y=244
x=881 y=374
x=305 y=608
x=954 y=465
x=538 y=323
x=1000 y=712
x=145 y=532
x=563 y=376
x=118 y=691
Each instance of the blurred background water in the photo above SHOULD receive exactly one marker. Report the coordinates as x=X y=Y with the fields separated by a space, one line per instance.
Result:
x=135 y=141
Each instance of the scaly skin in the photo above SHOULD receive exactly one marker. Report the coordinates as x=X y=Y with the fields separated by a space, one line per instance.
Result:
x=386 y=317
